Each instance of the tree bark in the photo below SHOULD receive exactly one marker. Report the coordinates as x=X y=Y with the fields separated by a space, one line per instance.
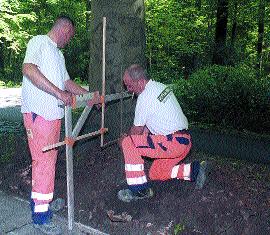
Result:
x=125 y=40
x=221 y=32
x=125 y=45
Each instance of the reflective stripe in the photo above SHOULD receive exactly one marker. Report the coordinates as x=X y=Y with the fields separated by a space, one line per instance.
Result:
x=137 y=180
x=41 y=208
x=175 y=171
x=186 y=172
x=134 y=167
x=42 y=196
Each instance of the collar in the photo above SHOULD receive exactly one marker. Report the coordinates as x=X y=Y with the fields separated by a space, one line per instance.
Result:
x=147 y=86
x=51 y=41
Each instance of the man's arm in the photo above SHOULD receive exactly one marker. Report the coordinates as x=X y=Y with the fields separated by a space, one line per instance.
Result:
x=32 y=72
x=138 y=130
x=74 y=88
x=134 y=130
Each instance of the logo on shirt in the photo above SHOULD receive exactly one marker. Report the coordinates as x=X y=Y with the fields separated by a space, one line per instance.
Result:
x=163 y=96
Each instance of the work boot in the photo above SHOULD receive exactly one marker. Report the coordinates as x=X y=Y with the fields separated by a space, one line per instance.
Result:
x=202 y=175
x=126 y=195
x=49 y=228
x=57 y=205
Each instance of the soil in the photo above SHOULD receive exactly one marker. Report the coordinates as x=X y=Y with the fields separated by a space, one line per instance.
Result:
x=235 y=199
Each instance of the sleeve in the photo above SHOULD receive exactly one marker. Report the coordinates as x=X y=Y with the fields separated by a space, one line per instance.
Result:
x=141 y=112
x=33 y=52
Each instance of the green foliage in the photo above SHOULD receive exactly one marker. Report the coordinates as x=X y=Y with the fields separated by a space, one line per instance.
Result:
x=178 y=37
x=20 y=20
x=226 y=96
x=178 y=229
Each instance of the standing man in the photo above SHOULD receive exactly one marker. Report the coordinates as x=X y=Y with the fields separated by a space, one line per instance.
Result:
x=45 y=83
x=160 y=132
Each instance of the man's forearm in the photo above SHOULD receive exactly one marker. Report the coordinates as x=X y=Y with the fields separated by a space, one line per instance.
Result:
x=39 y=80
x=74 y=88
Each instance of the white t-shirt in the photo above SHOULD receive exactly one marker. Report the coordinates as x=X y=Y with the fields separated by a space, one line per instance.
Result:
x=158 y=109
x=43 y=52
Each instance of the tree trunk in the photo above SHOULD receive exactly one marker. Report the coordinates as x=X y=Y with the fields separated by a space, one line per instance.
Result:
x=234 y=23
x=198 y=4
x=125 y=45
x=261 y=17
x=221 y=32
x=125 y=40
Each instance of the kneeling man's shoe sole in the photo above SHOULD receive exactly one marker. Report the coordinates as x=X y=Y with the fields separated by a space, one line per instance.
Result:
x=126 y=195
x=202 y=175
x=49 y=228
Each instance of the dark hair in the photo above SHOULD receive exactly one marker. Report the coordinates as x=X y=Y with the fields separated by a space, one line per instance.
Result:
x=65 y=18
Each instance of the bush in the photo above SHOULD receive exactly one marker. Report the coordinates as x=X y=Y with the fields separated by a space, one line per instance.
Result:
x=226 y=96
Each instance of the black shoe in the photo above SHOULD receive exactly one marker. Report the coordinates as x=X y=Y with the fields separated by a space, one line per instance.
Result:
x=57 y=205
x=194 y=171
x=126 y=195
x=202 y=175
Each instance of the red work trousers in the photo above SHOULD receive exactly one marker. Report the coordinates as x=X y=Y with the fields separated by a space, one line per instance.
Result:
x=41 y=133
x=166 y=151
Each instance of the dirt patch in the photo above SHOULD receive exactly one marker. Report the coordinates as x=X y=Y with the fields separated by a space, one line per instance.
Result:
x=235 y=200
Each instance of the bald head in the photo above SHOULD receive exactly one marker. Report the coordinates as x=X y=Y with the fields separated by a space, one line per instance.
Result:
x=135 y=79
x=62 y=21
x=136 y=72
x=62 y=31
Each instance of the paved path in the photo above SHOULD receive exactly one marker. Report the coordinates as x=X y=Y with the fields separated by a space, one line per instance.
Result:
x=15 y=219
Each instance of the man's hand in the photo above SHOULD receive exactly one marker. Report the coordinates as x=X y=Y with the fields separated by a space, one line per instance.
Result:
x=66 y=97
x=96 y=100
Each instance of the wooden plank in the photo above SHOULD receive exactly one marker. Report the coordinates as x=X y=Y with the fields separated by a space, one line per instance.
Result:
x=103 y=79
x=52 y=146
x=69 y=165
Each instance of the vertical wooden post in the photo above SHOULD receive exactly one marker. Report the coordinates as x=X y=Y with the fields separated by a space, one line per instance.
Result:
x=69 y=165
x=103 y=79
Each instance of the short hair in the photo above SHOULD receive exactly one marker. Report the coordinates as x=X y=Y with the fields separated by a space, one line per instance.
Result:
x=65 y=19
x=137 y=72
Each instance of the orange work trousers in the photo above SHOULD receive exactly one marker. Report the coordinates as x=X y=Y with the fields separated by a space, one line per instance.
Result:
x=41 y=133
x=167 y=151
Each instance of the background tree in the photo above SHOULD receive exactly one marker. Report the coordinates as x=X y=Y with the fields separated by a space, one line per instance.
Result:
x=261 y=16
x=221 y=33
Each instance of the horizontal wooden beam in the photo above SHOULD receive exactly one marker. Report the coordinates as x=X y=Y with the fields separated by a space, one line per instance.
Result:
x=56 y=145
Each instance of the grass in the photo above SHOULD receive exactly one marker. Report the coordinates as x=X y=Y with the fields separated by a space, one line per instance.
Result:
x=7 y=142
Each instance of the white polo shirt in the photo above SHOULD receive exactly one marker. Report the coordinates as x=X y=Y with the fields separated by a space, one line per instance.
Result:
x=158 y=109
x=43 y=52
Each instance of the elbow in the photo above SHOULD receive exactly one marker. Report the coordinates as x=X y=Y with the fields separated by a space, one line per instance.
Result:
x=27 y=69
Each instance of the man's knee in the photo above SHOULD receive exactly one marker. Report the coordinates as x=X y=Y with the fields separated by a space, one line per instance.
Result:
x=126 y=141
x=157 y=174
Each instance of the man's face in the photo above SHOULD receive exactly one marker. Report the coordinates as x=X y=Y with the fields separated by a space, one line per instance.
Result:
x=66 y=34
x=131 y=85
